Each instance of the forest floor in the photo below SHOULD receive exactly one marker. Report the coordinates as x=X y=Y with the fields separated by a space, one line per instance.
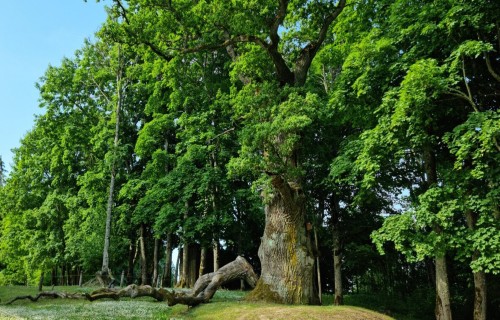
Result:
x=225 y=305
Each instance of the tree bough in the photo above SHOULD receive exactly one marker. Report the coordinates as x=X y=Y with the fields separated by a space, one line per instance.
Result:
x=204 y=288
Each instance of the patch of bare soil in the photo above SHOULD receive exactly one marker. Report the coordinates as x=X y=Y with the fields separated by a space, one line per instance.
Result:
x=308 y=312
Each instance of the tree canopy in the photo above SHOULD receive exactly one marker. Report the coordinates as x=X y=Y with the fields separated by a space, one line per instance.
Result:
x=356 y=136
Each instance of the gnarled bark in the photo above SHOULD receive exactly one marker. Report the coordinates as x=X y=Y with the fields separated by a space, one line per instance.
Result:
x=204 y=288
x=285 y=252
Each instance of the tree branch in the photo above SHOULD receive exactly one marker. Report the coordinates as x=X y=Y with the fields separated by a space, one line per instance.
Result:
x=461 y=95
x=309 y=52
x=490 y=67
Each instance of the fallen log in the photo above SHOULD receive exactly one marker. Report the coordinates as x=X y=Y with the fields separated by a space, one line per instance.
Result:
x=49 y=294
x=204 y=288
x=132 y=291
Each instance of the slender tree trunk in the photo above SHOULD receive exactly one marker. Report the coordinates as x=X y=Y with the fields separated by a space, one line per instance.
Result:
x=480 y=292
x=240 y=241
x=80 y=280
x=155 y=263
x=131 y=260
x=40 y=282
x=337 y=270
x=63 y=275
x=203 y=258
x=443 y=305
x=105 y=252
x=285 y=251
x=167 y=274
x=144 y=265
x=216 y=254
x=177 y=265
x=54 y=276
x=185 y=255
x=215 y=244
x=184 y=266
x=337 y=253
x=318 y=267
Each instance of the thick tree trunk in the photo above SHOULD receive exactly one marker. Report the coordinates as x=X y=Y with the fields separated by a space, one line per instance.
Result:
x=443 y=307
x=193 y=265
x=285 y=252
x=167 y=274
x=480 y=296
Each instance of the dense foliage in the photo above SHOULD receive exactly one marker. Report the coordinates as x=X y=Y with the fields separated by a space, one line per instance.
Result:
x=392 y=135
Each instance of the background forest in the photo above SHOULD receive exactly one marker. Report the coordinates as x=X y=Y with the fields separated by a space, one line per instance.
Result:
x=153 y=140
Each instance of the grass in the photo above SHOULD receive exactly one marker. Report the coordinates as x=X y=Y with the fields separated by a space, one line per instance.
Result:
x=226 y=305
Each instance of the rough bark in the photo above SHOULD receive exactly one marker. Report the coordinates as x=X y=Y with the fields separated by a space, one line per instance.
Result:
x=337 y=254
x=318 y=267
x=105 y=279
x=185 y=256
x=480 y=306
x=142 y=245
x=480 y=292
x=206 y=285
x=203 y=259
x=204 y=288
x=337 y=270
x=155 y=263
x=216 y=254
x=443 y=306
x=285 y=252
x=184 y=267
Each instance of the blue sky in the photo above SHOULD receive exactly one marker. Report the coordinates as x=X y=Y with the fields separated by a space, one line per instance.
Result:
x=33 y=35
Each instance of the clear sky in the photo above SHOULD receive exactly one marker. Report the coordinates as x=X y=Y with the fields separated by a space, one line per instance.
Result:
x=33 y=35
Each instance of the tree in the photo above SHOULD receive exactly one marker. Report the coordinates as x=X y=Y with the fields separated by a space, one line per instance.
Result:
x=2 y=172
x=275 y=133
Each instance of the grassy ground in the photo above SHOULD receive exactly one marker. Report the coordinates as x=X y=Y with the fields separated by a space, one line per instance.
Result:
x=226 y=305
